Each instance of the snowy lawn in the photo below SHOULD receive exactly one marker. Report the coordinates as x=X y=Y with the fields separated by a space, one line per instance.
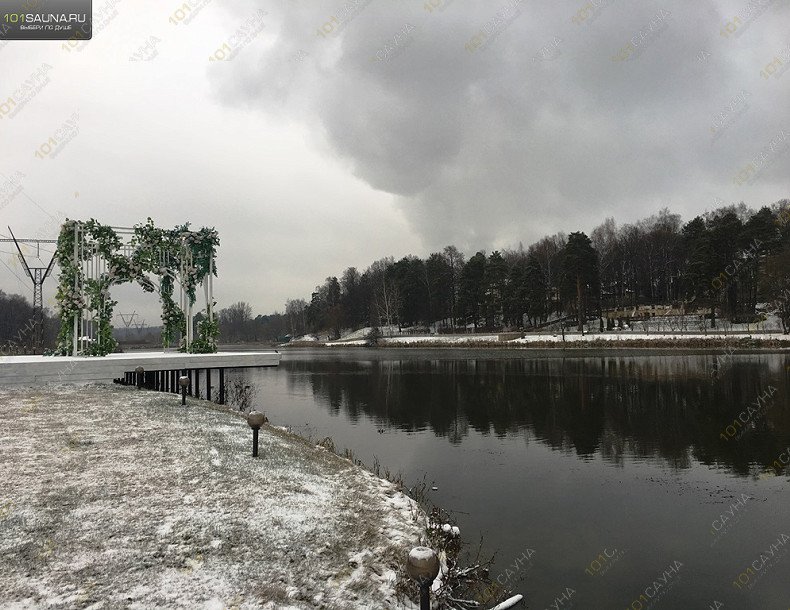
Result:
x=113 y=497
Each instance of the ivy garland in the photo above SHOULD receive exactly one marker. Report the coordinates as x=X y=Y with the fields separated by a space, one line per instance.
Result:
x=156 y=251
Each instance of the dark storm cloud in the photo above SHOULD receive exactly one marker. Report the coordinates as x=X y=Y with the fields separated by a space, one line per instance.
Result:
x=496 y=122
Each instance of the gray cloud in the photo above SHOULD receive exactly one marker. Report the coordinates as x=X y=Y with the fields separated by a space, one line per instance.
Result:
x=507 y=142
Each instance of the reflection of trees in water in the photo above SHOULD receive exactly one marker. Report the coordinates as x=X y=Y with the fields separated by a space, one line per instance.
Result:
x=645 y=407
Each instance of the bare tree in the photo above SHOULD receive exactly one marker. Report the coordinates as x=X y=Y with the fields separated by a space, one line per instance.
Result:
x=295 y=310
x=386 y=296
x=455 y=260
x=234 y=320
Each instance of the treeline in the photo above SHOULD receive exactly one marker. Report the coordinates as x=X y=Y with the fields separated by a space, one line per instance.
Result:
x=17 y=323
x=237 y=325
x=722 y=263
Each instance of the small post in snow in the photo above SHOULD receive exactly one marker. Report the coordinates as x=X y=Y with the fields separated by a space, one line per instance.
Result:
x=422 y=567
x=183 y=381
x=139 y=372
x=255 y=419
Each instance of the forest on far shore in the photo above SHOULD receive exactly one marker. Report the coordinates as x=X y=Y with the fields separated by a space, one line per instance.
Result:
x=722 y=264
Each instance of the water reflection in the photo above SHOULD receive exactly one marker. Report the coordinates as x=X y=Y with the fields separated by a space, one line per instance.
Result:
x=653 y=408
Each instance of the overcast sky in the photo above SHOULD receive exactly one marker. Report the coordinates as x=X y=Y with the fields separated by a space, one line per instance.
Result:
x=341 y=133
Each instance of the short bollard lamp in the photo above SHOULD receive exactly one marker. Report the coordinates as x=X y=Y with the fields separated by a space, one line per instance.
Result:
x=422 y=566
x=183 y=381
x=255 y=419
x=139 y=370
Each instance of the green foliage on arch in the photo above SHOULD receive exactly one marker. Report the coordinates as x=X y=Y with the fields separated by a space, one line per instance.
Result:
x=156 y=251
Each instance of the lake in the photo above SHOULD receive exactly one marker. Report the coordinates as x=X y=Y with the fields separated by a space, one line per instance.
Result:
x=618 y=481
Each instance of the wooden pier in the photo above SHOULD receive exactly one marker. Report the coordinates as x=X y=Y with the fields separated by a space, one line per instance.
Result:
x=160 y=370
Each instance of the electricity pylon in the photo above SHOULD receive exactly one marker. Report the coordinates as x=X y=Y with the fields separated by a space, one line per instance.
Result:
x=37 y=275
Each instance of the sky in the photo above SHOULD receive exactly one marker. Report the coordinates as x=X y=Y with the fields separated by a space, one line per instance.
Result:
x=320 y=135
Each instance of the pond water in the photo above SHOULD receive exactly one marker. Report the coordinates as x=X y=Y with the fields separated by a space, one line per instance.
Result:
x=618 y=481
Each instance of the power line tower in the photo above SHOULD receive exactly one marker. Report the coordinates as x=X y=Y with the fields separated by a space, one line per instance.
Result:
x=37 y=275
x=128 y=318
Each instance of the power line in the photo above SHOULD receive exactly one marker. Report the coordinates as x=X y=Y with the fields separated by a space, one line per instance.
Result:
x=38 y=275
x=35 y=203
x=14 y=272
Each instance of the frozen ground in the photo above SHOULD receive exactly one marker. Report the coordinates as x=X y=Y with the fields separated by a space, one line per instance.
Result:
x=625 y=337
x=113 y=497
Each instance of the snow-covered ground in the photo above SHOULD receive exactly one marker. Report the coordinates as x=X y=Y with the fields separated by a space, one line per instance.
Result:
x=449 y=339
x=662 y=328
x=409 y=340
x=113 y=497
x=544 y=338
x=625 y=337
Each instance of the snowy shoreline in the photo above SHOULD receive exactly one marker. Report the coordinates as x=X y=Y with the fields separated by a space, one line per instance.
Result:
x=602 y=341
x=119 y=497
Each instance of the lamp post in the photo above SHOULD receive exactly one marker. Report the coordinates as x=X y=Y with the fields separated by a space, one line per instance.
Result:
x=255 y=420
x=422 y=566
x=139 y=371
x=183 y=381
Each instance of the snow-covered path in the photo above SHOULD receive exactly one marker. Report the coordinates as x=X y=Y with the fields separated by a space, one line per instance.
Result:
x=113 y=497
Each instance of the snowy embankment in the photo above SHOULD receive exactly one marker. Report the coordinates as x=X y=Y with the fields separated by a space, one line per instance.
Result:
x=573 y=339
x=625 y=337
x=115 y=497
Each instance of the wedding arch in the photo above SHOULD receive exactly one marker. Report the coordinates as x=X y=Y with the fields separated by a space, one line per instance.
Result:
x=94 y=257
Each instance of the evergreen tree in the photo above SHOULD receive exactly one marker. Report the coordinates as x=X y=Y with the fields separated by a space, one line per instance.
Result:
x=580 y=272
